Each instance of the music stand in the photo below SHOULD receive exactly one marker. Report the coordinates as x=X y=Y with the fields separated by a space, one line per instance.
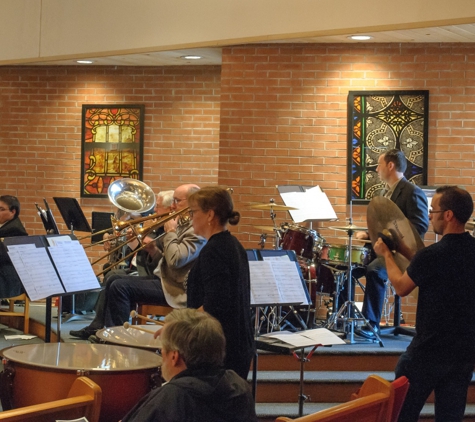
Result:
x=74 y=219
x=72 y=214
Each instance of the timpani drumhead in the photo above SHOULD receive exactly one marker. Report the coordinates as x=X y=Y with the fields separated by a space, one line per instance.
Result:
x=45 y=372
x=131 y=336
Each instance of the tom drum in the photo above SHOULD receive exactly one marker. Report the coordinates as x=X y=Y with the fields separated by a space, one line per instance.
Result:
x=336 y=254
x=305 y=242
x=38 y=373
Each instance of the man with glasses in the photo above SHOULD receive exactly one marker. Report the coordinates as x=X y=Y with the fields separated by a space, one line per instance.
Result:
x=441 y=356
x=412 y=201
x=178 y=249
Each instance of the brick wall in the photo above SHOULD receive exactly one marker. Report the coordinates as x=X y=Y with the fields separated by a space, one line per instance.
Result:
x=281 y=119
x=40 y=129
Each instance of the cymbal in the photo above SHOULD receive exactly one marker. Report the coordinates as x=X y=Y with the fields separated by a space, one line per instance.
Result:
x=267 y=228
x=272 y=206
x=384 y=216
x=348 y=227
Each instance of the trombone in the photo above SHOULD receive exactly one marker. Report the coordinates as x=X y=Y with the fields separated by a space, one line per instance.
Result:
x=141 y=233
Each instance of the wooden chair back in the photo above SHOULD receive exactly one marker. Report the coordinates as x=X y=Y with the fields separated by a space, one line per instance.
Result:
x=25 y=314
x=84 y=400
x=372 y=408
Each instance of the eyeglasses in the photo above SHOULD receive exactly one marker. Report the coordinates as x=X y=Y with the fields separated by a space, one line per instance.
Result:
x=431 y=211
x=176 y=200
x=191 y=212
x=4 y=209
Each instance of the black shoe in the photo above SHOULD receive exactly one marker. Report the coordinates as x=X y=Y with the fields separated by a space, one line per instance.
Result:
x=366 y=332
x=84 y=333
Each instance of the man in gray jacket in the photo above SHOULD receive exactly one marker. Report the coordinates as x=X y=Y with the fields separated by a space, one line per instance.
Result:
x=198 y=388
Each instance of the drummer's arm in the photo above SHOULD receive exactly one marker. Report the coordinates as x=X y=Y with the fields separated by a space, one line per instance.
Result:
x=402 y=283
x=362 y=235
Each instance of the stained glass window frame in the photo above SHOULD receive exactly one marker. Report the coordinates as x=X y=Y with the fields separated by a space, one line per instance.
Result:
x=362 y=162
x=128 y=120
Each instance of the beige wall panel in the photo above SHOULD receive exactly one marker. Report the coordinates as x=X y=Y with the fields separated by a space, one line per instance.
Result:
x=19 y=28
x=120 y=26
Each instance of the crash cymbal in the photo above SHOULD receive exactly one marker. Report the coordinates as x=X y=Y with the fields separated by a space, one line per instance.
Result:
x=384 y=216
x=348 y=227
x=272 y=206
x=267 y=228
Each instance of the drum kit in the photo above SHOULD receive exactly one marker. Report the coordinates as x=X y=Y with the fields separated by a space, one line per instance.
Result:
x=324 y=265
x=332 y=269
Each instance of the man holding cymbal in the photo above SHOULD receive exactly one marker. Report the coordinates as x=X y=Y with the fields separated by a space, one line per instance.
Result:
x=412 y=201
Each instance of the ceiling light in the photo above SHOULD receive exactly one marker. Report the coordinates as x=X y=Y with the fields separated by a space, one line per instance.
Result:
x=191 y=57
x=360 y=37
x=84 y=61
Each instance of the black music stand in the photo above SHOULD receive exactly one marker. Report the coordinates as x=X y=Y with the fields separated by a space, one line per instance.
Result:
x=72 y=214
x=74 y=219
x=100 y=221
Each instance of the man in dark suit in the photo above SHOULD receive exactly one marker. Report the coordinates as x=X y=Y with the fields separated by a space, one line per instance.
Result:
x=412 y=201
x=10 y=225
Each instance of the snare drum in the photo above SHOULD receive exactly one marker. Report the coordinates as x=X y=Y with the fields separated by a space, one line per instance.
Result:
x=132 y=337
x=305 y=242
x=338 y=254
x=38 y=373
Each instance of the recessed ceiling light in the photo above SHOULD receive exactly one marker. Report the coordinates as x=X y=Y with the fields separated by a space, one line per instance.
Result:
x=360 y=37
x=191 y=57
x=84 y=61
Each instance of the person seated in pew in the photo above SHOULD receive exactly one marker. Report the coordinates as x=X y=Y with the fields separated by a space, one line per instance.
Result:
x=198 y=388
x=10 y=226
x=171 y=260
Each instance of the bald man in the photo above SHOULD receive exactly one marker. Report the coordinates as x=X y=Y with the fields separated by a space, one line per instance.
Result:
x=177 y=249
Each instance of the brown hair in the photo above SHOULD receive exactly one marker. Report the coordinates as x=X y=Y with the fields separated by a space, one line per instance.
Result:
x=219 y=200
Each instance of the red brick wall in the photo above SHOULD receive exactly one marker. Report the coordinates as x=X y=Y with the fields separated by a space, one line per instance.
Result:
x=281 y=117
x=40 y=129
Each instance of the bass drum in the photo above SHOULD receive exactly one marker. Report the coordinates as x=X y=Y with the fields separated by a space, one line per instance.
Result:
x=38 y=373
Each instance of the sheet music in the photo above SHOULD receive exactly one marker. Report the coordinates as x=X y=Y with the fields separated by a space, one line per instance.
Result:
x=35 y=270
x=306 y=338
x=73 y=266
x=276 y=281
x=312 y=205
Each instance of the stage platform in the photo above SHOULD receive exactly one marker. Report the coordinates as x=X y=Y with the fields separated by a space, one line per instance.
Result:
x=330 y=376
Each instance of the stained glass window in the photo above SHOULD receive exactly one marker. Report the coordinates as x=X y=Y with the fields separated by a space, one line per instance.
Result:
x=112 y=146
x=380 y=121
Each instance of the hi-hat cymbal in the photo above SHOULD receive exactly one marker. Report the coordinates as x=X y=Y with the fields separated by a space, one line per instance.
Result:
x=267 y=228
x=348 y=227
x=272 y=206
x=383 y=215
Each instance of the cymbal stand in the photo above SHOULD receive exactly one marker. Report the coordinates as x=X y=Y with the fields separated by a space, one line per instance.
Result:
x=349 y=313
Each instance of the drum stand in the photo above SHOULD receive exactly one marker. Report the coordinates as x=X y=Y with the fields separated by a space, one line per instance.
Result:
x=349 y=313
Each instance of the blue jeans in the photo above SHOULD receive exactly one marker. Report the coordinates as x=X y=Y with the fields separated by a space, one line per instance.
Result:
x=376 y=276
x=449 y=381
x=124 y=293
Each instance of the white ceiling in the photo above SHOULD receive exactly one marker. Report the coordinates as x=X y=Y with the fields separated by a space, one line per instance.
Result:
x=212 y=56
